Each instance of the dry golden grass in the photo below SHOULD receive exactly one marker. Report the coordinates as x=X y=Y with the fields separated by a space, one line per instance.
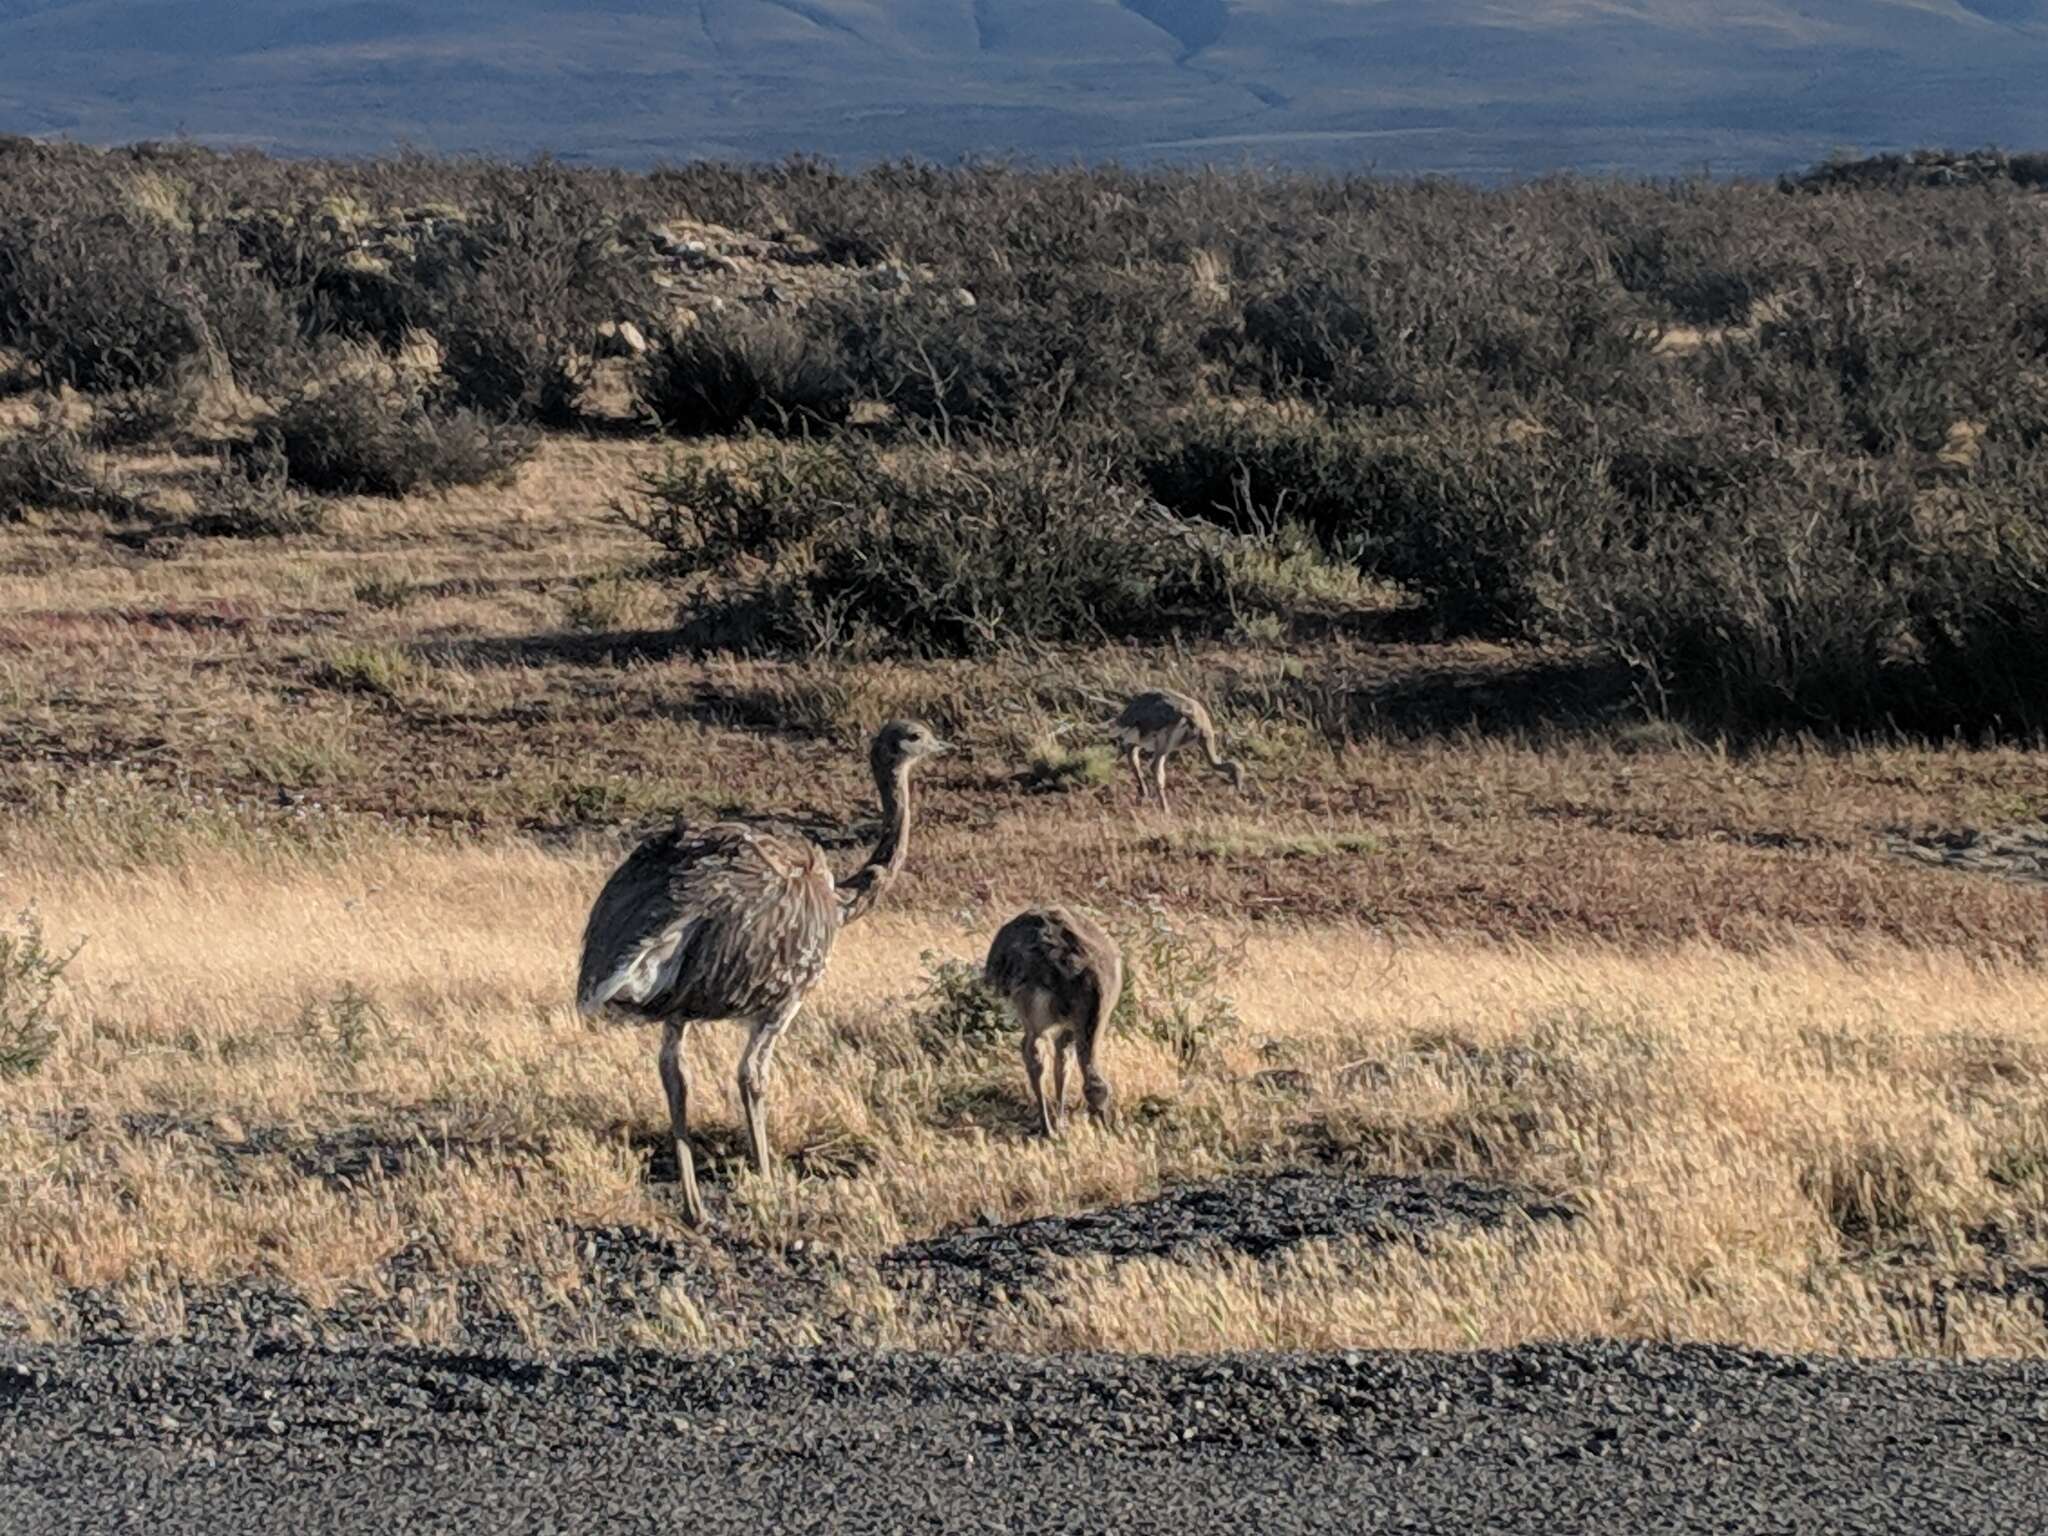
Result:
x=328 y=812
x=1788 y=1150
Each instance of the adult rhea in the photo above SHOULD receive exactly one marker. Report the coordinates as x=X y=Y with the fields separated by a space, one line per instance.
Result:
x=727 y=922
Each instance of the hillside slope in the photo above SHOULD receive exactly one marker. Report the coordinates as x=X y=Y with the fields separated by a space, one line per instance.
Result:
x=1458 y=85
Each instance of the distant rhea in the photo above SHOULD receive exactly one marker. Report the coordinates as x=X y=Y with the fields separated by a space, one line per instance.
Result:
x=727 y=922
x=1156 y=725
x=1061 y=976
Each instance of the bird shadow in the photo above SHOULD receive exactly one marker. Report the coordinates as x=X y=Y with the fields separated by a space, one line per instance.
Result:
x=602 y=648
x=722 y=1155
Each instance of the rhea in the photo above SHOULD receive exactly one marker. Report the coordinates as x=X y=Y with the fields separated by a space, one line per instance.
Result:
x=1061 y=976
x=729 y=922
x=1156 y=725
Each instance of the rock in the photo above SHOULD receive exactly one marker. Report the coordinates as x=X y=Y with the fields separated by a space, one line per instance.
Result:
x=963 y=298
x=620 y=338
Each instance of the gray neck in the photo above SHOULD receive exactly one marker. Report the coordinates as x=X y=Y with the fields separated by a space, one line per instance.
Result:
x=859 y=892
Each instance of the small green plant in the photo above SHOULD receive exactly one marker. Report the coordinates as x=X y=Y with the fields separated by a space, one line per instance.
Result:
x=1055 y=766
x=958 y=1010
x=348 y=1025
x=29 y=972
x=385 y=593
x=1170 y=978
x=581 y=800
x=376 y=670
x=597 y=606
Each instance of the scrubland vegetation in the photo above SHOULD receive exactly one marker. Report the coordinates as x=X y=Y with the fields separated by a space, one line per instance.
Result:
x=1629 y=599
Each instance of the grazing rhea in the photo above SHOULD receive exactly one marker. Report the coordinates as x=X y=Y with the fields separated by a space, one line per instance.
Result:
x=1157 y=724
x=1061 y=976
x=727 y=922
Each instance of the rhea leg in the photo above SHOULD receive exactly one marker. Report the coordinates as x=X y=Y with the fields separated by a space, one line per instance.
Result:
x=1034 y=1070
x=1095 y=1090
x=1062 y=1045
x=678 y=1091
x=1159 y=777
x=1137 y=772
x=754 y=1062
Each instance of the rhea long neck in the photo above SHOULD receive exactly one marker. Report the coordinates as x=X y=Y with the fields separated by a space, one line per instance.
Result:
x=859 y=892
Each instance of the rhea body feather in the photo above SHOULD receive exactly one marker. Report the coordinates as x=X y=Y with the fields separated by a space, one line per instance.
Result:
x=720 y=922
x=731 y=922
x=1059 y=954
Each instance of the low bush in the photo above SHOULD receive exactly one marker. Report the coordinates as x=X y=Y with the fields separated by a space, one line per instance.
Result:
x=516 y=292
x=131 y=418
x=1833 y=597
x=1035 y=352
x=936 y=551
x=47 y=469
x=356 y=434
x=252 y=497
x=102 y=294
x=744 y=369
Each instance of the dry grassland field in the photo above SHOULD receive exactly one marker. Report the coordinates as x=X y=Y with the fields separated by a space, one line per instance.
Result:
x=1753 y=1051
x=1519 y=1000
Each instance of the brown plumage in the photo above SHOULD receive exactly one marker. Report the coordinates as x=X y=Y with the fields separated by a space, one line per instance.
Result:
x=727 y=922
x=1157 y=724
x=1061 y=975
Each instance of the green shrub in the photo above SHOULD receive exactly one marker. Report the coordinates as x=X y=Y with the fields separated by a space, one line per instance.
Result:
x=1056 y=766
x=1170 y=978
x=386 y=594
x=376 y=670
x=29 y=973
x=958 y=1011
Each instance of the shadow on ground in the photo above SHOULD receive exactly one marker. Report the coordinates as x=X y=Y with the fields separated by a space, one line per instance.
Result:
x=1258 y=1215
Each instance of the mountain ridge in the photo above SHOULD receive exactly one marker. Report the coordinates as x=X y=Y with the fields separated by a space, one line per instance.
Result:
x=1459 y=86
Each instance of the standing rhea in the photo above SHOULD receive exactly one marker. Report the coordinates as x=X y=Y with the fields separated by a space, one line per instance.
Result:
x=1061 y=975
x=1156 y=724
x=727 y=922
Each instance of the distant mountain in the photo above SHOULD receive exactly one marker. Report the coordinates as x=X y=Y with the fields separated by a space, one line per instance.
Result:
x=1482 y=87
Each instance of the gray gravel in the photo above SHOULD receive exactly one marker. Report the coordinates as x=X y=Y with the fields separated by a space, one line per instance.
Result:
x=1597 y=1437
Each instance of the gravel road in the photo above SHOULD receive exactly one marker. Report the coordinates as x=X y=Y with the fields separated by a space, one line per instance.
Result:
x=1599 y=1437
